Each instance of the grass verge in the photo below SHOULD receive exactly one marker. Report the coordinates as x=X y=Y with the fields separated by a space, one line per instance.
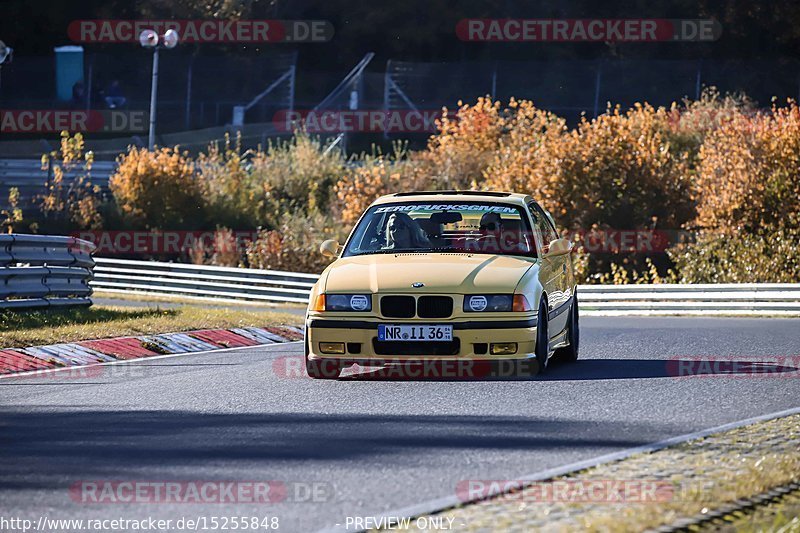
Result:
x=150 y=298
x=694 y=478
x=780 y=516
x=33 y=328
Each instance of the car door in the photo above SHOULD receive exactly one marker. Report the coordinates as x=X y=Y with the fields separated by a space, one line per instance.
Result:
x=554 y=272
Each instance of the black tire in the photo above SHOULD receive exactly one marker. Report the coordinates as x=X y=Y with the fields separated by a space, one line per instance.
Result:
x=320 y=369
x=569 y=354
x=542 y=336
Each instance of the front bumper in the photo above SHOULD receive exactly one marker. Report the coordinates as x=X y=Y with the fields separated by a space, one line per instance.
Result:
x=471 y=340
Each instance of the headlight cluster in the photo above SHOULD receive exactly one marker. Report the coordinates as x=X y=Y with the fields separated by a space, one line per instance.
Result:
x=348 y=302
x=479 y=303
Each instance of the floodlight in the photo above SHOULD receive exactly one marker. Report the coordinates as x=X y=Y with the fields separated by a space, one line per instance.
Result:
x=171 y=39
x=148 y=39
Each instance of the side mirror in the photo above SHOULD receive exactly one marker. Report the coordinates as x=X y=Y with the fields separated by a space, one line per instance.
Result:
x=329 y=248
x=558 y=247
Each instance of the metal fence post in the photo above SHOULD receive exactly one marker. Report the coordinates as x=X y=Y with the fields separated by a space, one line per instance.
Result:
x=697 y=82
x=597 y=88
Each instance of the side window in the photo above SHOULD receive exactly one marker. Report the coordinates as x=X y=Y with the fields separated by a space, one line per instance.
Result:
x=542 y=227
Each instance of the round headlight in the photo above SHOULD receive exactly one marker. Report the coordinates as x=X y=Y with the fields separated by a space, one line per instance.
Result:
x=336 y=302
x=499 y=302
x=477 y=303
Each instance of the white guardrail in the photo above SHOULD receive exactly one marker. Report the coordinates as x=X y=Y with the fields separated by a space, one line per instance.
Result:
x=272 y=286
x=751 y=299
x=200 y=281
x=39 y=271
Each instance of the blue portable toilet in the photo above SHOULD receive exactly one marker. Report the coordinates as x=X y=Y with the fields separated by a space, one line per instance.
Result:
x=69 y=70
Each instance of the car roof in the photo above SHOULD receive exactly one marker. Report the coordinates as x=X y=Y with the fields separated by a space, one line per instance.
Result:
x=456 y=196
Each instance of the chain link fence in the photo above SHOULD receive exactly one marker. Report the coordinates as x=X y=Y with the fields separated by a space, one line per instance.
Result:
x=572 y=88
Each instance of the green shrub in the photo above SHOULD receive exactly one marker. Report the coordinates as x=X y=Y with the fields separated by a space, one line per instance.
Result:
x=764 y=257
x=233 y=197
x=76 y=204
x=295 y=176
x=294 y=244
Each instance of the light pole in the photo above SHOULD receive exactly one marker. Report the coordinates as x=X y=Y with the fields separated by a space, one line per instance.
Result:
x=150 y=39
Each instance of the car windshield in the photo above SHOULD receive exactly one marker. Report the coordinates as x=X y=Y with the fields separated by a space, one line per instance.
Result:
x=442 y=227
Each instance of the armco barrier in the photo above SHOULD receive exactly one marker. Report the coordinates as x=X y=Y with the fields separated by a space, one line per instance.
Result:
x=243 y=285
x=39 y=271
x=697 y=299
x=198 y=281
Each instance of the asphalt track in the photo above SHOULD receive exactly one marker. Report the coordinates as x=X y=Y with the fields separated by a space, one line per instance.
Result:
x=371 y=445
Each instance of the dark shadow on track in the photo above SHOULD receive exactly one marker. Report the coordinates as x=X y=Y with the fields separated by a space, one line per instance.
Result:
x=675 y=368
x=39 y=447
x=582 y=370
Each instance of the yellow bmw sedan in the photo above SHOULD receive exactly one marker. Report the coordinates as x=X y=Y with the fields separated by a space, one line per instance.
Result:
x=443 y=276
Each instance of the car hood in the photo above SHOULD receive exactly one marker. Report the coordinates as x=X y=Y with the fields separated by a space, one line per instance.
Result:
x=442 y=273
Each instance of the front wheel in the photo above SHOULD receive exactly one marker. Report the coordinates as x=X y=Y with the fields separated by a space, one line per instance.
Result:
x=542 y=336
x=568 y=354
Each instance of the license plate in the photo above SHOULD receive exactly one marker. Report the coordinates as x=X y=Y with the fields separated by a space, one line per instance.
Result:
x=428 y=333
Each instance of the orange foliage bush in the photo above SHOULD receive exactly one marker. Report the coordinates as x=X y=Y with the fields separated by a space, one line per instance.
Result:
x=749 y=173
x=458 y=155
x=520 y=161
x=688 y=124
x=617 y=170
x=355 y=191
x=157 y=189
x=716 y=163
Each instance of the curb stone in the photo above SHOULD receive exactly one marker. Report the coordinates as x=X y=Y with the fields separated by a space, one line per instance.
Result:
x=41 y=358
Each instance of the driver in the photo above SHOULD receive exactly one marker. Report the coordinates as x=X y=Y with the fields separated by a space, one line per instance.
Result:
x=491 y=223
x=402 y=233
x=491 y=229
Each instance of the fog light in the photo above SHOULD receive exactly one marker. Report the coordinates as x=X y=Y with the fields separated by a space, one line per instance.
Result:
x=338 y=347
x=503 y=348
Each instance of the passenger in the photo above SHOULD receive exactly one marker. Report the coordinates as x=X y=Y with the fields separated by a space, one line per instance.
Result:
x=491 y=229
x=402 y=233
